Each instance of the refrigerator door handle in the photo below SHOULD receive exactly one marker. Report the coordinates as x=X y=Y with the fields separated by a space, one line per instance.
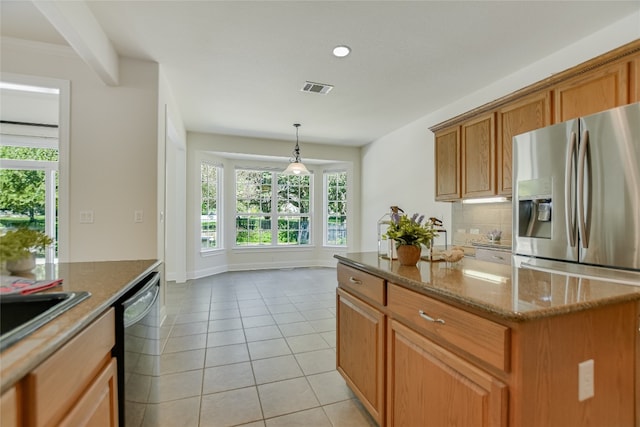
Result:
x=569 y=211
x=582 y=155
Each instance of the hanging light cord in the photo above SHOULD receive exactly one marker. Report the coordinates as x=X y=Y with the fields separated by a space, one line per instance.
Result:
x=296 y=151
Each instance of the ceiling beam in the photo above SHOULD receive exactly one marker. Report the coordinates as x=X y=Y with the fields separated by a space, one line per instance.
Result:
x=75 y=22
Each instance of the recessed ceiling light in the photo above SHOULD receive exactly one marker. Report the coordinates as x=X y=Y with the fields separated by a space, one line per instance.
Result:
x=341 y=51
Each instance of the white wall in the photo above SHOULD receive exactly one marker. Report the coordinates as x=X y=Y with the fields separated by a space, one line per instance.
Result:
x=172 y=164
x=201 y=146
x=113 y=167
x=398 y=169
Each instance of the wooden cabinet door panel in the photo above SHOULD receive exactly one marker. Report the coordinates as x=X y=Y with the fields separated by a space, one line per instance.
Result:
x=593 y=92
x=531 y=113
x=10 y=408
x=360 y=351
x=71 y=369
x=634 y=81
x=98 y=407
x=447 y=162
x=478 y=157
x=429 y=386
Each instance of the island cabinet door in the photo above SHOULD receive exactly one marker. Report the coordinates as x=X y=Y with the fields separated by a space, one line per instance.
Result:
x=360 y=351
x=430 y=386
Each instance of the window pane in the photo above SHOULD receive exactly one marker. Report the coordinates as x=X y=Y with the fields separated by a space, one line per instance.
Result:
x=255 y=194
x=336 y=209
x=253 y=191
x=22 y=201
x=253 y=230
x=18 y=153
x=209 y=206
x=293 y=230
x=293 y=194
x=253 y=201
x=294 y=205
x=23 y=193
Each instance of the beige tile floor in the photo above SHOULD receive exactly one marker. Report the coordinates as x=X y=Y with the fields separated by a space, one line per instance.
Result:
x=251 y=349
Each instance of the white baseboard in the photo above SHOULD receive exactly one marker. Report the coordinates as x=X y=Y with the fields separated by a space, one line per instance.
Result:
x=259 y=266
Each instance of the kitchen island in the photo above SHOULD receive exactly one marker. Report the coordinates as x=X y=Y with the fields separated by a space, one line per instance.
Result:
x=85 y=332
x=486 y=344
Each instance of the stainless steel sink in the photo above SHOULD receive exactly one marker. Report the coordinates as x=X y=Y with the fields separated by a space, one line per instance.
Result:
x=21 y=315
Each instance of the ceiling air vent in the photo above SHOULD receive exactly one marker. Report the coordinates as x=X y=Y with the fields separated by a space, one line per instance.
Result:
x=316 y=87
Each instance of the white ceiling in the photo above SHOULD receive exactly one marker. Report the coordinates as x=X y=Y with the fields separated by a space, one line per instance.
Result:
x=236 y=67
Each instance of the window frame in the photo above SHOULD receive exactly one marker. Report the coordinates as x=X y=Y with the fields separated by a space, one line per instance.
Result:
x=219 y=217
x=61 y=236
x=326 y=201
x=274 y=213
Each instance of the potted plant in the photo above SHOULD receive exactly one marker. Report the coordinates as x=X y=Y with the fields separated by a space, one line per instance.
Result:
x=17 y=248
x=409 y=233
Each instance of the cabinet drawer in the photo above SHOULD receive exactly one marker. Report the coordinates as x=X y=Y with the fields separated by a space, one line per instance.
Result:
x=364 y=284
x=473 y=334
x=490 y=255
x=58 y=382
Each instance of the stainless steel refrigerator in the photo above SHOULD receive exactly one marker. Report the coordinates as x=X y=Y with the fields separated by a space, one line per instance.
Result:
x=576 y=190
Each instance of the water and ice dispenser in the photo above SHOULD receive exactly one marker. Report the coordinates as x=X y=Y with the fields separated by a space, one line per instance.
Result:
x=535 y=208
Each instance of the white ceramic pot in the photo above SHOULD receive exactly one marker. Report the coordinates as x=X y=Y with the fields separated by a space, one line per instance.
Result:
x=22 y=265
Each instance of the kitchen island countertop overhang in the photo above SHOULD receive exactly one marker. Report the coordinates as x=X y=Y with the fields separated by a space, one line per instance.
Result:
x=512 y=293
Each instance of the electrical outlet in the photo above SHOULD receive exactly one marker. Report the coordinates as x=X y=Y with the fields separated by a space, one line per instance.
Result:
x=86 y=217
x=137 y=216
x=585 y=380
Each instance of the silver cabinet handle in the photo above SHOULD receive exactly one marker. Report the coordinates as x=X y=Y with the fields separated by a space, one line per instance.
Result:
x=355 y=281
x=425 y=316
x=498 y=257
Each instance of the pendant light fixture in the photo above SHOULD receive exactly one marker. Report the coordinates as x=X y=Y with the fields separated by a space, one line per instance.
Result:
x=296 y=167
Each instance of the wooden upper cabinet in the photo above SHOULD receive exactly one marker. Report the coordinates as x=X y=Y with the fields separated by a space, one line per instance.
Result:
x=634 y=80
x=592 y=92
x=478 y=156
x=530 y=113
x=447 y=162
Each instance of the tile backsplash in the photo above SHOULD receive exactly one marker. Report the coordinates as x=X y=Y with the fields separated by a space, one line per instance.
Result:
x=472 y=222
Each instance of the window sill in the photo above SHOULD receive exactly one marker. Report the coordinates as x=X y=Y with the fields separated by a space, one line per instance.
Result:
x=211 y=252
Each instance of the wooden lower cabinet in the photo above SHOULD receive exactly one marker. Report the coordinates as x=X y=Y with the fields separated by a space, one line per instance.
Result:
x=10 y=408
x=360 y=351
x=416 y=360
x=430 y=386
x=77 y=385
x=99 y=405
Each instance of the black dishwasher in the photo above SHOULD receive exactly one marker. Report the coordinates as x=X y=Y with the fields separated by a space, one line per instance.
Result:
x=137 y=339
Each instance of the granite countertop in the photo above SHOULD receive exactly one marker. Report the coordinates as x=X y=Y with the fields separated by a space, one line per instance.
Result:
x=106 y=281
x=513 y=293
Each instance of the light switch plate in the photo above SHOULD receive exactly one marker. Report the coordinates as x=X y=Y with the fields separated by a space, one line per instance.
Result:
x=86 y=217
x=585 y=380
